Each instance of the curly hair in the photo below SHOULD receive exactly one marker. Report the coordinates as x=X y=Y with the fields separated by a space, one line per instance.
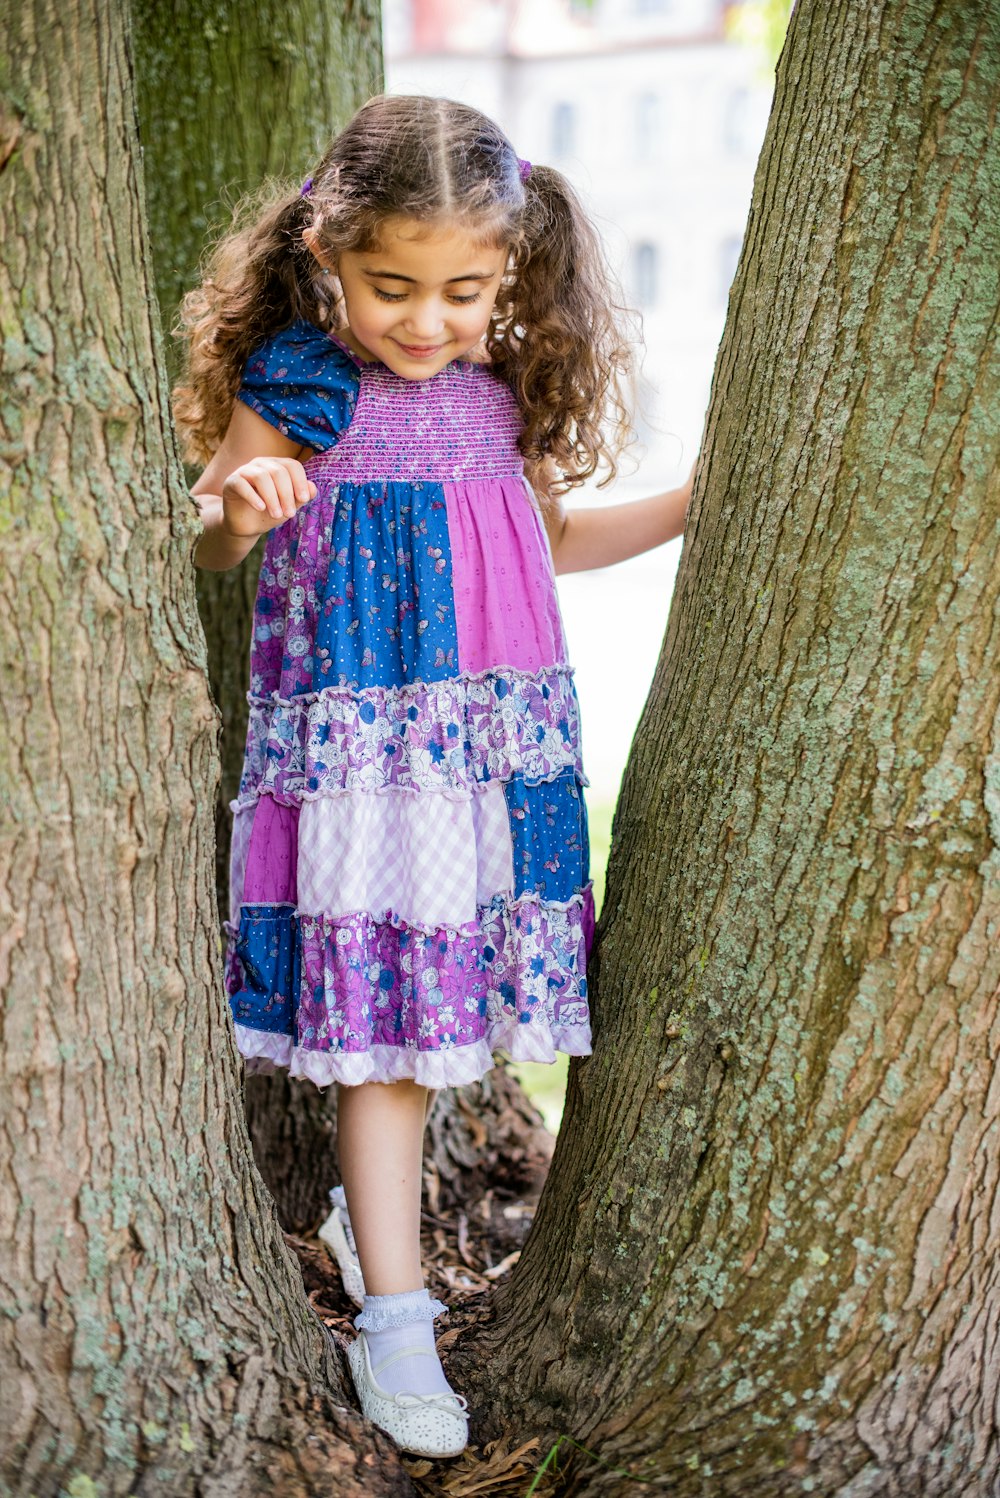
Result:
x=558 y=335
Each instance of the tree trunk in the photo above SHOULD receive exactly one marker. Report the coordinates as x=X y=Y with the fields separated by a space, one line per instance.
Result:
x=155 y=1335
x=282 y=77
x=767 y=1258
x=228 y=98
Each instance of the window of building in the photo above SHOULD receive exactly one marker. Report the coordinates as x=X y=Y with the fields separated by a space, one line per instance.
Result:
x=648 y=125
x=563 y=129
x=645 y=273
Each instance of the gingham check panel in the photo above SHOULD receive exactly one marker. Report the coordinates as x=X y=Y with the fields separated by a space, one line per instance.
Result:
x=426 y=858
x=494 y=849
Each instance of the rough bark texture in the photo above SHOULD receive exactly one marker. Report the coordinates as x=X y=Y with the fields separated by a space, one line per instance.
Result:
x=154 y=1336
x=767 y=1260
x=228 y=96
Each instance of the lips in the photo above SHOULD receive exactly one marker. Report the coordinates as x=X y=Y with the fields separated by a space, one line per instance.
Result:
x=421 y=351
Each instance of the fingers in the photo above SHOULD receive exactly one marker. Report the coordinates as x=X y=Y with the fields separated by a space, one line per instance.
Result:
x=274 y=487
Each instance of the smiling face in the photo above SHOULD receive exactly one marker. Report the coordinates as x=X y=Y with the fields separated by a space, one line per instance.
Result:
x=422 y=298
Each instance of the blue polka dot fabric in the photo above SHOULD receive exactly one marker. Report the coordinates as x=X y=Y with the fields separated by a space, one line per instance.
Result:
x=303 y=383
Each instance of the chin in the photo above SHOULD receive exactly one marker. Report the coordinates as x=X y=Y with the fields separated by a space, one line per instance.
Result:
x=417 y=374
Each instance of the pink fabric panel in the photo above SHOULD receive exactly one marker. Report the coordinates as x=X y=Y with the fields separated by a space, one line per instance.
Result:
x=506 y=609
x=273 y=854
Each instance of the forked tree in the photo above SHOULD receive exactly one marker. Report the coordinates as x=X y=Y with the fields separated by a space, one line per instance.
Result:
x=767 y=1260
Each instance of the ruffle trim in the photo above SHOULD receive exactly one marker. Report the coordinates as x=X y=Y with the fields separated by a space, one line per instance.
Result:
x=451 y=735
x=382 y=1311
x=456 y=1067
x=410 y=688
x=432 y=930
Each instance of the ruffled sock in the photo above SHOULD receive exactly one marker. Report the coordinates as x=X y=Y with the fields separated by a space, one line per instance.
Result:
x=399 y=1330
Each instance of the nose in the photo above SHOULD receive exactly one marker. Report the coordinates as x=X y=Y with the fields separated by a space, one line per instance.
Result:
x=425 y=320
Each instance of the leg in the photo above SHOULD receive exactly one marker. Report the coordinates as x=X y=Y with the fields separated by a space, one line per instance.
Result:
x=380 y=1131
x=338 y=1230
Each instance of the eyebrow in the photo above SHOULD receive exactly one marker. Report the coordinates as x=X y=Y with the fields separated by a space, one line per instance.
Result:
x=391 y=275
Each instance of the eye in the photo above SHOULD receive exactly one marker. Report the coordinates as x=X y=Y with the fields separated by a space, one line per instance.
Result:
x=389 y=296
x=464 y=300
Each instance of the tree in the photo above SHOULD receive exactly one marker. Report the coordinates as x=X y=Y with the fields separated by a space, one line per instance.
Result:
x=282 y=77
x=766 y=1259
x=154 y=1321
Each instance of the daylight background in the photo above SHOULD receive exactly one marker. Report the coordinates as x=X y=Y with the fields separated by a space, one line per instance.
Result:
x=655 y=110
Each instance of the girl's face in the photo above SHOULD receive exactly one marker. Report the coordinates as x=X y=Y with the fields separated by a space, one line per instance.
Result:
x=423 y=298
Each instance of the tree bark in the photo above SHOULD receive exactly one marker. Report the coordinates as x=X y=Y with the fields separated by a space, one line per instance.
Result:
x=229 y=96
x=155 y=1336
x=767 y=1260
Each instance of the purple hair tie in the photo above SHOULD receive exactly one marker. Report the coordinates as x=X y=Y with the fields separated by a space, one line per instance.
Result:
x=306 y=188
x=524 y=169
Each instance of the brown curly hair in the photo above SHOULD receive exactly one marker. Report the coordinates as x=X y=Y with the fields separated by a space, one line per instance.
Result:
x=558 y=331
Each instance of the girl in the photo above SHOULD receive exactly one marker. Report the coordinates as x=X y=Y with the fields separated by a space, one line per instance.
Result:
x=372 y=364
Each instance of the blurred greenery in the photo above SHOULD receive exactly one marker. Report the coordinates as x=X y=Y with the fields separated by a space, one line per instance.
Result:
x=546 y=1085
x=760 y=24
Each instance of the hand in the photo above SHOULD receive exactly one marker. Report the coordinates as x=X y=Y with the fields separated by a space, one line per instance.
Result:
x=264 y=493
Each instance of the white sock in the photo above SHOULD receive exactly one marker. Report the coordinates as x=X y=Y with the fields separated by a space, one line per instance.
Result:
x=339 y=1200
x=395 y=1325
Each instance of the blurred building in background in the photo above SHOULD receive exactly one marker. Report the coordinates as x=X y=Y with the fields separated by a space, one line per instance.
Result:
x=657 y=117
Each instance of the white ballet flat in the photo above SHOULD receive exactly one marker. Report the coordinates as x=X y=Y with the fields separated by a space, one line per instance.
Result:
x=426 y=1424
x=333 y=1235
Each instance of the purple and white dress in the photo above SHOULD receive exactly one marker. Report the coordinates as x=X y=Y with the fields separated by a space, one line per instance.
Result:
x=410 y=888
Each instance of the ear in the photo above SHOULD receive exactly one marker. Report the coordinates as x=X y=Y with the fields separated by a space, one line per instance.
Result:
x=310 y=239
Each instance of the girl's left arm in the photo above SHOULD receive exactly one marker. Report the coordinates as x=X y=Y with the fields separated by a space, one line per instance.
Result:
x=582 y=539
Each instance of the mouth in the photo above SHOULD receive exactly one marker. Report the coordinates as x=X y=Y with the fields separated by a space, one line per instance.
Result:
x=421 y=350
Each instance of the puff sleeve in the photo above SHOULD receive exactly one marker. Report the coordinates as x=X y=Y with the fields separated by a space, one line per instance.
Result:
x=302 y=382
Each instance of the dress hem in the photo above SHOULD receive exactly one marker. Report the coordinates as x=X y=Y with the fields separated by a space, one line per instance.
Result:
x=452 y=1066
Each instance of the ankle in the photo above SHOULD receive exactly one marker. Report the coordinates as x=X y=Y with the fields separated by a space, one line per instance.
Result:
x=403 y=1308
x=399 y=1332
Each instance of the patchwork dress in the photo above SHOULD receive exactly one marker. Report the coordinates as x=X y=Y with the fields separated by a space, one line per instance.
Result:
x=410 y=888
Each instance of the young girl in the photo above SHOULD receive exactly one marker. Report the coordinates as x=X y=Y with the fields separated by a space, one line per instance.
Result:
x=372 y=365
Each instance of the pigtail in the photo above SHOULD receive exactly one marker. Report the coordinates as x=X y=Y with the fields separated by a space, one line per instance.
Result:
x=560 y=340
x=258 y=278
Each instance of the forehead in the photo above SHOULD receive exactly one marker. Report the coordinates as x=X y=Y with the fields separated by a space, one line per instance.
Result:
x=437 y=252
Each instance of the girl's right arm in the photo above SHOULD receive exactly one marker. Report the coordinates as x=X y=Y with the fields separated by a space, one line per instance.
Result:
x=254 y=482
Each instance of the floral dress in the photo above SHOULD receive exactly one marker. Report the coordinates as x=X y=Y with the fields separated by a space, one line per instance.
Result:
x=410 y=888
